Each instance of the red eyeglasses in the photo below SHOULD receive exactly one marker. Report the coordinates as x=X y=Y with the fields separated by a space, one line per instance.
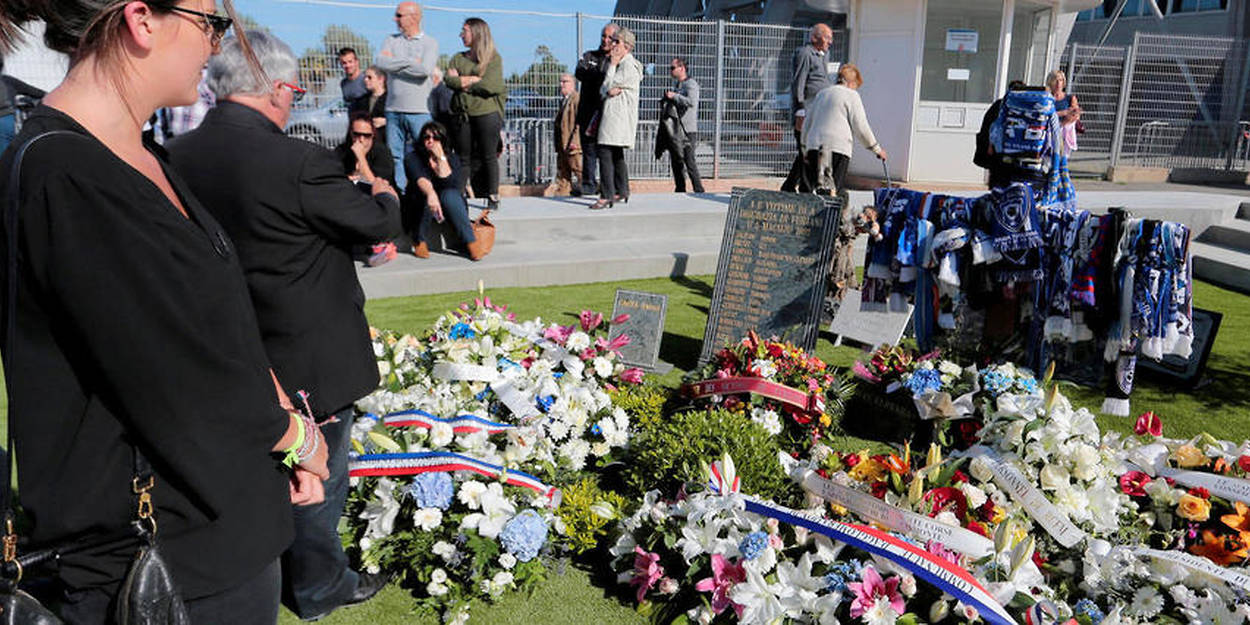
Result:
x=296 y=91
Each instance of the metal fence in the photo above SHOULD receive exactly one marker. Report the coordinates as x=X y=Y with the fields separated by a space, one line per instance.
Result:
x=1169 y=101
x=744 y=73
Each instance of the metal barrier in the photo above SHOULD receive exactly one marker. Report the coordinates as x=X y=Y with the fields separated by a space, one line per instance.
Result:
x=1095 y=76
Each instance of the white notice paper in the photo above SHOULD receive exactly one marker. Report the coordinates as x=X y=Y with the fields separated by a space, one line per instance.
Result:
x=953 y=73
x=961 y=40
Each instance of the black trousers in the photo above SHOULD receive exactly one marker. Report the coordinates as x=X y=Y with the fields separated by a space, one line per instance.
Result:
x=683 y=163
x=613 y=172
x=477 y=142
x=590 y=164
x=834 y=179
x=797 y=180
x=253 y=601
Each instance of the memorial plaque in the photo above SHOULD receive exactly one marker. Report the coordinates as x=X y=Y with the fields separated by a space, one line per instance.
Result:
x=870 y=327
x=773 y=267
x=1188 y=371
x=645 y=326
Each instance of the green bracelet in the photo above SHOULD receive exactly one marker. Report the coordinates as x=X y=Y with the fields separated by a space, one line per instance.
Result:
x=290 y=455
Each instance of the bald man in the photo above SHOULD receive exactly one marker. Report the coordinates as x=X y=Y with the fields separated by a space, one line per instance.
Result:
x=408 y=57
x=811 y=74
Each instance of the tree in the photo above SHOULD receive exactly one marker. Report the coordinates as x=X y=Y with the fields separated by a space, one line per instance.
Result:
x=542 y=76
x=247 y=22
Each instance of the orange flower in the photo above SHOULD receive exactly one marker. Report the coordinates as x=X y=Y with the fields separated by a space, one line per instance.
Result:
x=1223 y=550
x=896 y=464
x=1239 y=521
x=1193 y=508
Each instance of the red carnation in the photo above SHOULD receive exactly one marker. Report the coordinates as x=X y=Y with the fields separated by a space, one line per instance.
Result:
x=1148 y=423
x=978 y=528
x=986 y=511
x=850 y=460
x=878 y=489
x=1201 y=492
x=1244 y=463
x=959 y=477
x=947 y=498
x=1134 y=483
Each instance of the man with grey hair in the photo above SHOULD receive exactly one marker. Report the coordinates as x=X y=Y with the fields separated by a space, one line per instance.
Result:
x=591 y=70
x=294 y=218
x=408 y=57
x=811 y=74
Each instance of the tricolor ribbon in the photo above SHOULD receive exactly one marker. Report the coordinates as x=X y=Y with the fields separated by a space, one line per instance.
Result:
x=810 y=402
x=459 y=424
x=946 y=576
x=368 y=465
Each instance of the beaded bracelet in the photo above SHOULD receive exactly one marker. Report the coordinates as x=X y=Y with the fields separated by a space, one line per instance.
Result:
x=311 y=442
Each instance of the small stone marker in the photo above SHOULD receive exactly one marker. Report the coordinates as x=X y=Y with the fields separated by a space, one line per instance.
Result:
x=773 y=266
x=870 y=327
x=645 y=328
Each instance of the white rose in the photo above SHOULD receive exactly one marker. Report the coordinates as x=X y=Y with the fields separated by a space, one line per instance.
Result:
x=441 y=434
x=507 y=560
x=1087 y=460
x=435 y=590
x=1053 y=476
x=976 y=497
x=438 y=576
x=471 y=494
x=444 y=549
x=948 y=518
x=502 y=578
x=907 y=585
x=428 y=518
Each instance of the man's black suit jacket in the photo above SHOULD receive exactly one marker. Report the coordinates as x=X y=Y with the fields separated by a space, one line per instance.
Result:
x=294 y=217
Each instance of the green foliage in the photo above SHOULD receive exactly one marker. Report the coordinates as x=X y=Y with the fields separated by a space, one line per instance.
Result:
x=673 y=452
x=644 y=403
x=588 y=512
x=320 y=66
x=543 y=75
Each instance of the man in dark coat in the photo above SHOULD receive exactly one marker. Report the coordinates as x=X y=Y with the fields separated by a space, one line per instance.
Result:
x=591 y=70
x=811 y=74
x=294 y=217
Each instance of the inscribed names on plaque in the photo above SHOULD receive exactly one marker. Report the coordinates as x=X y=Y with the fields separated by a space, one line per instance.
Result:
x=773 y=267
x=869 y=327
x=645 y=326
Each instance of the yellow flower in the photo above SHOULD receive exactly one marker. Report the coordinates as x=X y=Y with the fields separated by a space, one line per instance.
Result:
x=826 y=420
x=999 y=515
x=1194 y=508
x=868 y=470
x=838 y=510
x=1187 y=456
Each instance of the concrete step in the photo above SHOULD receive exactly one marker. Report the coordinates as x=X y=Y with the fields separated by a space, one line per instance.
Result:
x=1243 y=211
x=1221 y=265
x=1234 y=233
x=646 y=216
x=513 y=263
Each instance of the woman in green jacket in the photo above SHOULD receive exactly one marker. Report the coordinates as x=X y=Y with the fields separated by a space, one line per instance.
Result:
x=476 y=75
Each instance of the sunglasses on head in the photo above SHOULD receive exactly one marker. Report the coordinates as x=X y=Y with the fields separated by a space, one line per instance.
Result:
x=215 y=25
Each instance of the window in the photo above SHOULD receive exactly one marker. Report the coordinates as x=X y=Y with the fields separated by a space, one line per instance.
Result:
x=970 y=20
x=1195 y=6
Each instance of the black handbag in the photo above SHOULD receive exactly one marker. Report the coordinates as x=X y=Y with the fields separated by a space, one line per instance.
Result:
x=148 y=595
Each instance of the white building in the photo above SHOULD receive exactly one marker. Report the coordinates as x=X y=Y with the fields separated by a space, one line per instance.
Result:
x=35 y=64
x=933 y=67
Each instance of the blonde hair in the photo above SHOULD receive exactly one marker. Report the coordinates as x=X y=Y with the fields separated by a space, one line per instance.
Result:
x=482 y=48
x=1054 y=77
x=848 y=73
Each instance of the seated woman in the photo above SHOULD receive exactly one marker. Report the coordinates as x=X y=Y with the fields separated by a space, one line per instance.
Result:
x=364 y=158
x=436 y=180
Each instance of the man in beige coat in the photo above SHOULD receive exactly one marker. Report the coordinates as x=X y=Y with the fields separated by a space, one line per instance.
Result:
x=568 y=142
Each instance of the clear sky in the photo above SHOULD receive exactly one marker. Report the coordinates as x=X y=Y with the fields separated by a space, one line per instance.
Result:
x=301 y=23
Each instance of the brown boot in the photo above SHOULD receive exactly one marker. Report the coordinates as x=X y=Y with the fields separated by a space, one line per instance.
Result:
x=421 y=250
x=477 y=251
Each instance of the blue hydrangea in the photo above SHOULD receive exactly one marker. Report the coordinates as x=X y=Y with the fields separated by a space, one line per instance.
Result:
x=924 y=380
x=753 y=545
x=1027 y=384
x=995 y=383
x=524 y=535
x=461 y=331
x=432 y=490
x=1090 y=609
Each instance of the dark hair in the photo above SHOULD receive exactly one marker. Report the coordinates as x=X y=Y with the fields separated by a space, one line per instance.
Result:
x=682 y=62
x=358 y=116
x=1015 y=85
x=348 y=50
x=440 y=133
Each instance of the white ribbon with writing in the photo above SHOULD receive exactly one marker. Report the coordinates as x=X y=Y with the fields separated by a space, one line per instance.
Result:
x=916 y=526
x=1022 y=490
x=1199 y=564
x=458 y=371
x=1231 y=488
x=520 y=403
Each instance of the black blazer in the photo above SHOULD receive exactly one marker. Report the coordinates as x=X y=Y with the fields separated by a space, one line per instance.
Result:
x=294 y=218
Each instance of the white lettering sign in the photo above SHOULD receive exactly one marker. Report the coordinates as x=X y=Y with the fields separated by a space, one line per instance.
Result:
x=1022 y=490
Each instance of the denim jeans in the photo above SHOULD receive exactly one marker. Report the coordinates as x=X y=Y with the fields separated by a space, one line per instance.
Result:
x=8 y=130
x=316 y=577
x=402 y=128
x=455 y=211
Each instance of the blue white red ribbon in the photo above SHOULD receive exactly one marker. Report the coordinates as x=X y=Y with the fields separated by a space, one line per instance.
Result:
x=944 y=575
x=366 y=465
x=459 y=424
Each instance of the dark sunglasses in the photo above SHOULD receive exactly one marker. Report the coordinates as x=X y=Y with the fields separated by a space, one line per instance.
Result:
x=362 y=135
x=431 y=136
x=218 y=24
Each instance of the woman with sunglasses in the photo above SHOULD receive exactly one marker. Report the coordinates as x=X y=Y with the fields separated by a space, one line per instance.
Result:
x=476 y=75
x=362 y=152
x=618 y=122
x=136 y=329
x=435 y=192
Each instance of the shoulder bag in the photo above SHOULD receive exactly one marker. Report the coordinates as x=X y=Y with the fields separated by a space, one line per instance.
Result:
x=148 y=595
